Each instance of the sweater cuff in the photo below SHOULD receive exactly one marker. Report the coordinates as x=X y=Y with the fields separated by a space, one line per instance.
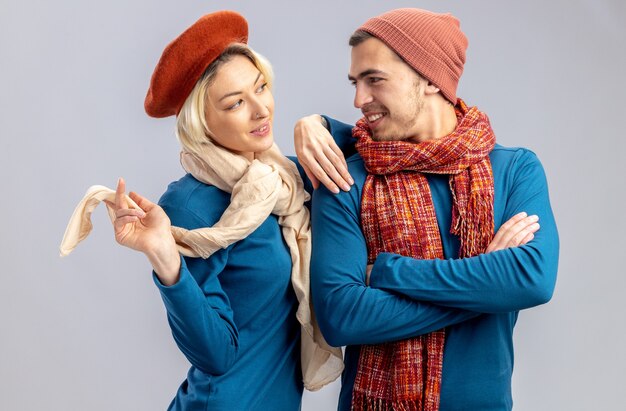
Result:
x=383 y=264
x=335 y=126
x=185 y=281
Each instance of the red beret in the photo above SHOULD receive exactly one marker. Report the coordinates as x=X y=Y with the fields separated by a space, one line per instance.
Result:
x=186 y=58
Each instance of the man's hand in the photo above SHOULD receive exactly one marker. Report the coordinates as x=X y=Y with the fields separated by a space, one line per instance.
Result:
x=318 y=154
x=519 y=230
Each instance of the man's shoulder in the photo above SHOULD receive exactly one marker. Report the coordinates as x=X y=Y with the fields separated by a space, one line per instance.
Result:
x=511 y=151
x=356 y=168
x=346 y=201
x=507 y=157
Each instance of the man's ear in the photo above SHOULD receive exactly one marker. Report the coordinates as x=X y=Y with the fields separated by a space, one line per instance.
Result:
x=431 y=89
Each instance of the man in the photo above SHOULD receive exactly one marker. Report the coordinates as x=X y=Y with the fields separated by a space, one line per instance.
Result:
x=432 y=330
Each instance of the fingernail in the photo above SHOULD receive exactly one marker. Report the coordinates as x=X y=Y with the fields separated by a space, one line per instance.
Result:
x=346 y=187
x=335 y=190
x=350 y=180
x=523 y=214
x=534 y=218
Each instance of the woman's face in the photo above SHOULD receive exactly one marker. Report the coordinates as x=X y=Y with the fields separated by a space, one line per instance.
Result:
x=239 y=108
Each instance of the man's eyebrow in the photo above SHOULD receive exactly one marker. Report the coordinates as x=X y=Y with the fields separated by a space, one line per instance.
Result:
x=366 y=73
x=234 y=93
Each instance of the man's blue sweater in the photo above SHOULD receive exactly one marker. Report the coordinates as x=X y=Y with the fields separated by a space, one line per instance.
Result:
x=476 y=299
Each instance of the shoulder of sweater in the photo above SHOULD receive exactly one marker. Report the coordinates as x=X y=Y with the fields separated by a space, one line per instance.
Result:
x=511 y=151
x=512 y=156
x=355 y=164
x=189 y=202
x=356 y=168
x=348 y=200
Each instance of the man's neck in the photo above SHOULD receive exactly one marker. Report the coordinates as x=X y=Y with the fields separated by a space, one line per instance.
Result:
x=439 y=120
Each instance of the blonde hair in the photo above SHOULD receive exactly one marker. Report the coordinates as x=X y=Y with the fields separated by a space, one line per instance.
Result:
x=192 y=130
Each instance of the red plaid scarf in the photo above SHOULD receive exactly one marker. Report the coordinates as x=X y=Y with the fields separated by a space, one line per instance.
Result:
x=406 y=375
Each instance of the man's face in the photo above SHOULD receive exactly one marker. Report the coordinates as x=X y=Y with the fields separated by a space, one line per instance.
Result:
x=388 y=92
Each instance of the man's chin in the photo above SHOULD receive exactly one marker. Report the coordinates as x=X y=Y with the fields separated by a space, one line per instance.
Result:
x=382 y=137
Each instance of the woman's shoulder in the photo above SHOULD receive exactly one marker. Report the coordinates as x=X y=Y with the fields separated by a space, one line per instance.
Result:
x=192 y=204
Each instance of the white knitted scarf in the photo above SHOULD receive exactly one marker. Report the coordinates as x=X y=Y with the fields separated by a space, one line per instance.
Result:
x=270 y=184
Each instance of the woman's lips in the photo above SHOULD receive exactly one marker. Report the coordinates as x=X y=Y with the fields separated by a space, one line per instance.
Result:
x=263 y=130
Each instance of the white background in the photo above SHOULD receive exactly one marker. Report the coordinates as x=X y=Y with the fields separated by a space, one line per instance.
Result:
x=89 y=332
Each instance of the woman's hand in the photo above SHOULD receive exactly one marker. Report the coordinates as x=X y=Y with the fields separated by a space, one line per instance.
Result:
x=319 y=155
x=146 y=229
x=519 y=230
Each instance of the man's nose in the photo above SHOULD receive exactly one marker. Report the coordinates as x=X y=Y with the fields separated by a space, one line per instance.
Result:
x=362 y=96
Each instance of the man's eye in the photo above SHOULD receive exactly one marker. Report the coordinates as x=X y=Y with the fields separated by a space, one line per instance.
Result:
x=373 y=80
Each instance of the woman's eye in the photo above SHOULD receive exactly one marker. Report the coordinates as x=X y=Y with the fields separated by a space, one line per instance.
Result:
x=234 y=106
x=263 y=87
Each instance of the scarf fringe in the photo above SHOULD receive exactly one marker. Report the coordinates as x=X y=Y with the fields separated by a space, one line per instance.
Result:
x=361 y=402
x=474 y=224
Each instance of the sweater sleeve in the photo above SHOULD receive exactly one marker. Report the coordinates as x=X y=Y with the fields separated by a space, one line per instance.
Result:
x=348 y=311
x=198 y=309
x=502 y=281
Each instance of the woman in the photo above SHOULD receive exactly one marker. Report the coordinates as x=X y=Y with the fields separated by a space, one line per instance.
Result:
x=241 y=312
x=238 y=303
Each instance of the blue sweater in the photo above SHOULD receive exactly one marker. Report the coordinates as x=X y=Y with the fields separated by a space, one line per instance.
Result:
x=233 y=314
x=477 y=299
